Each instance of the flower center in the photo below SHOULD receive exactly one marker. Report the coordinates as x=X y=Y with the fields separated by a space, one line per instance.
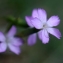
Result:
x=45 y=26
x=0 y=42
x=8 y=39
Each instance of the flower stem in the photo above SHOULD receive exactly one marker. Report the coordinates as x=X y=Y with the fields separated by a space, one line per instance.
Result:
x=27 y=32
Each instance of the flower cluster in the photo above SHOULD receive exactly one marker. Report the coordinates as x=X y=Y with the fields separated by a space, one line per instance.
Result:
x=39 y=21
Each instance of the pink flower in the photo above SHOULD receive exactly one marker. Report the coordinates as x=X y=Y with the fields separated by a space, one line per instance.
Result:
x=10 y=41
x=39 y=21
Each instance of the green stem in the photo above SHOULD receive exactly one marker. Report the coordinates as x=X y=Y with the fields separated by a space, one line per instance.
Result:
x=27 y=32
x=21 y=23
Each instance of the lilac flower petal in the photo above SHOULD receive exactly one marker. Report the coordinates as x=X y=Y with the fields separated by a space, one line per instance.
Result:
x=54 y=32
x=16 y=41
x=28 y=20
x=40 y=14
x=2 y=37
x=37 y=23
x=35 y=13
x=32 y=39
x=14 y=49
x=53 y=21
x=44 y=36
x=3 y=47
x=12 y=31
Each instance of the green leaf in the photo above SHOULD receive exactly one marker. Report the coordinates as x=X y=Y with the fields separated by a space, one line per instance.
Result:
x=16 y=21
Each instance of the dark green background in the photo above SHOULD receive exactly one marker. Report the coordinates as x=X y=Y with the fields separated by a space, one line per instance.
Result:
x=39 y=53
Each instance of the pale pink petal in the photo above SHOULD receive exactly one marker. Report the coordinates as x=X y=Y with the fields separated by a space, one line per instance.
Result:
x=3 y=47
x=40 y=14
x=2 y=37
x=37 y=23
x=53 y=21
x=12 y=31
x=16 y=41
x=28 y=20
x=35 y=13
x=44 y=36
x=54 y=32
x=32 y=39
x=14 y=49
